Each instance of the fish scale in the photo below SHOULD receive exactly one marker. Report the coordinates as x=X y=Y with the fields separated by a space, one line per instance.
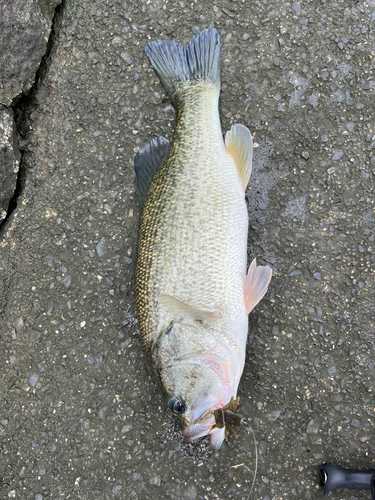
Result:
x=192 y=293
x=198 y=226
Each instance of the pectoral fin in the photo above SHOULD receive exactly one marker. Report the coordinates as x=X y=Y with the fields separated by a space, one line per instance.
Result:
x=239 y=145
x=256 y=284
x=186 y=312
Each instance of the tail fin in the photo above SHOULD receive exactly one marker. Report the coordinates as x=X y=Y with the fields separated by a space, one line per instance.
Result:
x=176 y=64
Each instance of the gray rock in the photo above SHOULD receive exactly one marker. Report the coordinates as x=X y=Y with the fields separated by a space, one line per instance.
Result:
x=155 y=480
x=297 y=7
x=190 y=493
x=9 y=159
x=33 y=380
x=338 y=154
x=313 y=426
x=370 y=84
x=25 y=28
x=48 y=8
x=100 y=247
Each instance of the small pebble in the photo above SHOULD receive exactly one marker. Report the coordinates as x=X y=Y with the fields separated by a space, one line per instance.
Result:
x=370 y=84
x=155 y=480
x=338 y=154
x=313 y=427
x=274 y=415
x=190 y=493
x=100 y=247
x=126 y=57
x=66 y=282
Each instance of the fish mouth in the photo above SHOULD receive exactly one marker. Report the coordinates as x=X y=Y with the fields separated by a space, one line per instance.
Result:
x=215 y=421
x=197 y=430
x=200 y=426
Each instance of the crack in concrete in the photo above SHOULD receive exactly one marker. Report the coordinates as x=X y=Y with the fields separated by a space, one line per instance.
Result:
x=22 y=106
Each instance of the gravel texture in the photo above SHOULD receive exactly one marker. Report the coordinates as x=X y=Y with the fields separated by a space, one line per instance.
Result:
x=81 y=416
x=25 y=27
x=9 y=158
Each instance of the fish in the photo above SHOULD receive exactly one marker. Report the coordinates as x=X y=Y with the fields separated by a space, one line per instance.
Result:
x=192 y=292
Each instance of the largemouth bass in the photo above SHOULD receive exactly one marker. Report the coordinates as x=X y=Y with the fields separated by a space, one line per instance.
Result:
x=192 y=293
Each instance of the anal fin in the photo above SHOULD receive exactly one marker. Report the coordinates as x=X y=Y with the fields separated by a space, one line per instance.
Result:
x=147 y=161
x=256 y=284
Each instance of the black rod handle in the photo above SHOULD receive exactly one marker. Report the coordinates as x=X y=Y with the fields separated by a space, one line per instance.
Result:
x=332 y=478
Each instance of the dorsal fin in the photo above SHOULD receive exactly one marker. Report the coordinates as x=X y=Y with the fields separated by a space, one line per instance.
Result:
x=147 y=161
x=239 y=145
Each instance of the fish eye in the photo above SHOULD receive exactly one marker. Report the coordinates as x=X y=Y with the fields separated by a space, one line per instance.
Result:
x=177 y=406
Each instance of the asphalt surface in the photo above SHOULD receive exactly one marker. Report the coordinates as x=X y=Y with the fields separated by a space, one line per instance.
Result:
x=81 y=417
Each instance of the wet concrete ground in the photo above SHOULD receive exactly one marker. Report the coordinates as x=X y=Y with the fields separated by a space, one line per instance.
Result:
x=80 y=416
